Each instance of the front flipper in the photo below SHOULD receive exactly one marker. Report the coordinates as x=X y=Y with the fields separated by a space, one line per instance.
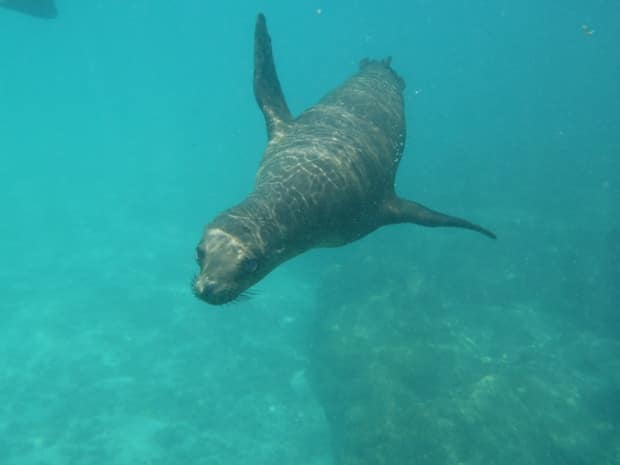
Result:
x=405 y=211
x=267 y=88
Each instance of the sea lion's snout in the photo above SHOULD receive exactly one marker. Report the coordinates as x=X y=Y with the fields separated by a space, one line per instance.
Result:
x=210 y=292
x=227 y=267
x=203 y=288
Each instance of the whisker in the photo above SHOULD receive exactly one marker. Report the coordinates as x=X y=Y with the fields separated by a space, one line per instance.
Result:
x=250 y=293
x=244 y=296
x=192 y=285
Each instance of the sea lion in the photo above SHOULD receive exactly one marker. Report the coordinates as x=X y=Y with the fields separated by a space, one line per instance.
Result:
x=39 y=8
x=326 y=178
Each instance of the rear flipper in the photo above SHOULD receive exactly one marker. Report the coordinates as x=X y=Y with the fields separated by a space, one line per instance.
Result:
x=405 y=211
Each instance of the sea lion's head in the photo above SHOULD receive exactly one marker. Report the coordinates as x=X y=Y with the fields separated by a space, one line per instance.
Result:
x=229 y=264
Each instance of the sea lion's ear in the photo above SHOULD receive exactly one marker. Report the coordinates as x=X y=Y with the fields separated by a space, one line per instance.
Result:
x=267 y=88
x=397 y=210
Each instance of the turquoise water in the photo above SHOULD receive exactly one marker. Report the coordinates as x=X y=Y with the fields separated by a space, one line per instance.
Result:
x=126 y=126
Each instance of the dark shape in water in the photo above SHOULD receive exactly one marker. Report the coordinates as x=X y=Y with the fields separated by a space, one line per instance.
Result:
x=326 y=178
x=39 y=8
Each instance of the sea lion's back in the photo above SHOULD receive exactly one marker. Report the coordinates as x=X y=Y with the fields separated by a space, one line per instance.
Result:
x=351 y=140
x=373 y=96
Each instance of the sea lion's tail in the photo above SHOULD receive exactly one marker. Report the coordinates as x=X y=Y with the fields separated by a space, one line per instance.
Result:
x=386 y=63
x=399 y=210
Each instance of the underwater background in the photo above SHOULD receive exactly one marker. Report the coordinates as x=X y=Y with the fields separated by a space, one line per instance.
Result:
x=125 y=126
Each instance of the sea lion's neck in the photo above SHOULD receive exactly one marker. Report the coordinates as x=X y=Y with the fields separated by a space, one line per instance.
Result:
x=260 y=222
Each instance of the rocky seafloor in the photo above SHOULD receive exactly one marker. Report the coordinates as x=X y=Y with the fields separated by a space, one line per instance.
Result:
x=376 y=359
x=407 y=375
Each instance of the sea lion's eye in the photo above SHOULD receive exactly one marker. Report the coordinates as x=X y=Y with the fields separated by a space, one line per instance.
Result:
x=200 y=254
x=249 y=265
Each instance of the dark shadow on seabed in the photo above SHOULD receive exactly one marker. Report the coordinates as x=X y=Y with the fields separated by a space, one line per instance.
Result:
x=407 y=373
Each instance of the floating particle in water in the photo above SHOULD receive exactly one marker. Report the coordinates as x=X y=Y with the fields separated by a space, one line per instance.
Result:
x=587 y=30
